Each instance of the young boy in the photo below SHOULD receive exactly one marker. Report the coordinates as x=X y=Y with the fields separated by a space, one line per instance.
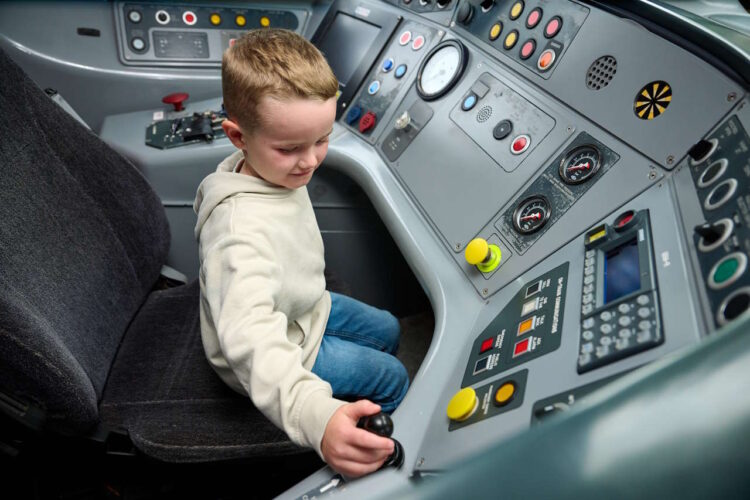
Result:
x=270 y=329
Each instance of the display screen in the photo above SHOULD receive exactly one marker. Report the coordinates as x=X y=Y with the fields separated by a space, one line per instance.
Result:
x=345 y=44
x=622 y=273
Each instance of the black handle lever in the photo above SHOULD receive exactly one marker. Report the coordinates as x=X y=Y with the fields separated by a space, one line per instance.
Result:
x=382 y=425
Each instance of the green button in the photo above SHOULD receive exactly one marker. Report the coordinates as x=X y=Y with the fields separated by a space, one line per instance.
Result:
x=726 y=270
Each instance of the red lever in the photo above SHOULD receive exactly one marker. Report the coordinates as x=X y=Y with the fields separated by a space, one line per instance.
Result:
x=176 y=100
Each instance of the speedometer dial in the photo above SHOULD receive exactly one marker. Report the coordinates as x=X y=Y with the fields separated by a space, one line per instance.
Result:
x=441 y=69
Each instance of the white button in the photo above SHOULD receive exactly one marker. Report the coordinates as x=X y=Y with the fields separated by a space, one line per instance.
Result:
x=643 y=336
x=529 y=307
x=138 y=43
x=589 y=270
x=587 y=347
x=587 y=308
x=588 y=323
x=625 y=333
x=644 y=312
x=588 y=288
x=134 y=16
x=588 y=262
x=587 y=335
x=624 y=307
x=621 y=344
x=584 y=359
x=590 y=253
x=624 y=320
x=588 y=298
x=644 y=325
x=606 y=328
x=605 y=340
x=605 y=316
x=643 y=300
x=602 y=351
x=588 y=280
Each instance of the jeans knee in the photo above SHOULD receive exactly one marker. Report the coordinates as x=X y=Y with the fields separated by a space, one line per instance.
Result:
x=392 y=328
x=398 y=385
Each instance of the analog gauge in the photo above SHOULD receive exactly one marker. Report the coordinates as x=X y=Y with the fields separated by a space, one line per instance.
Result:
x=441 y=69
x=580 y=164
x=531 y=214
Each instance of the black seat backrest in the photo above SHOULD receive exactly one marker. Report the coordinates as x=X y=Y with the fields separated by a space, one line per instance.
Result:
x=82 y=240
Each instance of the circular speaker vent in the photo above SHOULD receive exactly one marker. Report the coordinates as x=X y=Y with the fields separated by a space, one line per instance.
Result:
x=601 y=72
x=484 y=114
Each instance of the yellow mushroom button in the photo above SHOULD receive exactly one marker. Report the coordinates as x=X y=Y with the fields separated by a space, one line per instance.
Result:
x=240 y=20
x=476 y=251
x=462 y=405
x=265 y=22
x=516 y=10
x=505 y=393
x=510 y=40
x=495 y=31
x=215 y=19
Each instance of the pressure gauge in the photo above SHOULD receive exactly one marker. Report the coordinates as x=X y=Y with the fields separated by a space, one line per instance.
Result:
x=531 y=214
x=580 y=164
x=441 y=69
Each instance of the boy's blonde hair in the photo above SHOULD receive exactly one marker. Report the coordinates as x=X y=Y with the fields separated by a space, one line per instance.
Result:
x=272 y=63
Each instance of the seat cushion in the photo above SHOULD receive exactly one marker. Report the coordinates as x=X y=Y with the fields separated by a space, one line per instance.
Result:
x=164 y=392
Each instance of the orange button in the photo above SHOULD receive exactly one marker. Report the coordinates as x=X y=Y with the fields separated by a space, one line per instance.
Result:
x=526 y=325
x=505 y=393
x=546 y=59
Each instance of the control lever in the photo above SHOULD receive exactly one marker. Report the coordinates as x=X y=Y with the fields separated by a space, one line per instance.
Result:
x=382 y=425
x=709 y=232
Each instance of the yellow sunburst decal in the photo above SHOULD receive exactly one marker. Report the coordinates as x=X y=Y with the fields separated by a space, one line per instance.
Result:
x=652 y=100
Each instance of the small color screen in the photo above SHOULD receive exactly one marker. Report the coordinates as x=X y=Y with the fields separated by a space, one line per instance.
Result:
x=622 y=272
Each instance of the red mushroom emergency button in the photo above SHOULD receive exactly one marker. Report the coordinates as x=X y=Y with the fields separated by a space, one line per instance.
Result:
x=176 y=100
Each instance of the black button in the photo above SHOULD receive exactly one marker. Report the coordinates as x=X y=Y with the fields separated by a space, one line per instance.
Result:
x=736 y=306
x=502 y=130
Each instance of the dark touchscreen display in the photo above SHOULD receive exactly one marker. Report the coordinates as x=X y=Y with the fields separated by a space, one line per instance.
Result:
x=345 y=44
x=622 y=273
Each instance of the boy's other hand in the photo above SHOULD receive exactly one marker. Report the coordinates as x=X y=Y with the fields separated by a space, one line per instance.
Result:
x=352 y=451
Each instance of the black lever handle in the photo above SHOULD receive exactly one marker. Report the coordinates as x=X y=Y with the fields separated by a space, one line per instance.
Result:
x=382 y=425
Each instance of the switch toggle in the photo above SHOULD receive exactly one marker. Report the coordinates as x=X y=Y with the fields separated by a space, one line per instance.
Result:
x=481 y=254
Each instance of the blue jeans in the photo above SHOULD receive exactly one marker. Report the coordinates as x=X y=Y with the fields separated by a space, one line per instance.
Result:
x=357 y=354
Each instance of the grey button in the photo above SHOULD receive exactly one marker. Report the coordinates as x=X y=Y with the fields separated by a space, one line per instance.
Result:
x=643 y=336
x=588 y=298
x=605 y=316
x=584 y=359
x=602 y=351
x=606 y=328
x=587 y=347
x=621 y=344
x=588 y=323
x=624 y=307
x=587 y=335
x=605 y=340
x=644 y=312
x=588 y=271
x=590 y=253
x=644 y=324
x=643 y=299
x=625 y=333
x=588 y=280
x=480 y=89
x=588 y=288
x=624 y=320
x=587 y=308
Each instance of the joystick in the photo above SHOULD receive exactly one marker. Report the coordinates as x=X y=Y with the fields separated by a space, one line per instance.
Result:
x=382 y=425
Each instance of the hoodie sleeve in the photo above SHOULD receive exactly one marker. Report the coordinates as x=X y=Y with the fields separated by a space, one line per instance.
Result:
x=242 y=282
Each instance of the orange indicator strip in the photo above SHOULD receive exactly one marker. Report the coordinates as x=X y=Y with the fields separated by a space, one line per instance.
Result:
x=526 y=325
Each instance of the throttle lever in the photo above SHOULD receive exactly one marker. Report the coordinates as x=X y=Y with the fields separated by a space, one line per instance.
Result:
x=382 y=425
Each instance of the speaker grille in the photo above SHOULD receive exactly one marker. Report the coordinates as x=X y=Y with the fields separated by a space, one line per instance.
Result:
x=601 y=72
x=484 y=114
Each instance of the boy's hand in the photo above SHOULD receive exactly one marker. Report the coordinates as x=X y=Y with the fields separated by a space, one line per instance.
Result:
x=351 y=451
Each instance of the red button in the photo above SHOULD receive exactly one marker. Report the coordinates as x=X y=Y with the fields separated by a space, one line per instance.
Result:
x=527 y=49
x=487 y=345
x=520 y=144
x=189 y=18
x=367 y=122
x=546 y=59
x=522 y=347
x=404 y=38
x=553 y=27
x=418 y=43
x=534 y=17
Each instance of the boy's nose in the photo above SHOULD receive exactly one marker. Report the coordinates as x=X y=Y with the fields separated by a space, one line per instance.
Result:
x=309 y=159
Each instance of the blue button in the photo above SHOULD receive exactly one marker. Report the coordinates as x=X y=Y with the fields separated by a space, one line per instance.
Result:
x=400 y=71
x=353 y=114
x=469 y=102
x=374 y=87
x=388 y=65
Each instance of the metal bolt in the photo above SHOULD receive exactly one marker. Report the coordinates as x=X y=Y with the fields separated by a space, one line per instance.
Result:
x=420 y=462
x=458 y=246
x=670 y=159
x=485 y=291
x=731 y=96
x=651 y=175
x=569 y=129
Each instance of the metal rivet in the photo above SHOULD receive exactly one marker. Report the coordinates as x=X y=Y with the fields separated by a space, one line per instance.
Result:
x=485 y=291
x=731 y=96
x=569 y=128
x=420 y=462
x=652 y=175
x=670 y=159
x=458 y=246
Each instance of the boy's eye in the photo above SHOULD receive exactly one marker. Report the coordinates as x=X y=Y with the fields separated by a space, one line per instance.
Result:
x=323 y=141
x=287 y=150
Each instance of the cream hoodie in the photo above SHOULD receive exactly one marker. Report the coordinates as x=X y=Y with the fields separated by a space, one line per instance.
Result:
x=264 y=306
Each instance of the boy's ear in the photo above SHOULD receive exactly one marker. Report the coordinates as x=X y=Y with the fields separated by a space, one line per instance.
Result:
x=234 y=133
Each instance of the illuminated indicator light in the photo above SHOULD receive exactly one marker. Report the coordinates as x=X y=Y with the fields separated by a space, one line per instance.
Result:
x=495 y=31
x=400 y=71
x=526 y=326
x=404 y=38
x=546 y=59
x=597 y=233
x=373 y=88
x=505 y=393
x=486 y=345
x=528 y=49
x=418 y=43
x=726 y=270
x=516 y=10
x=623 y=220
x=553 y=27
x=265 y=22
x=215 y=19
x=189 y=18
x=534 y=17
x=529 y=307
x=520 y=144
x=522 y=347
x=240 y=20
x=510 y=40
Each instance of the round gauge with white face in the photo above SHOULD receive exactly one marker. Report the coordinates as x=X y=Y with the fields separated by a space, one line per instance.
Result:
x=441 y=69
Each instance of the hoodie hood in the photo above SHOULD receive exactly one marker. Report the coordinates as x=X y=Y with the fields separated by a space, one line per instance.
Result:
x=224 y=183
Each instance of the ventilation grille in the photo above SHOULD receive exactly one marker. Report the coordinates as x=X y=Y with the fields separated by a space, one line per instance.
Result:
x=601 y=72
x=484 y=114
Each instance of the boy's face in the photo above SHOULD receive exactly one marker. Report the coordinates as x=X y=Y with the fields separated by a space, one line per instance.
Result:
x=290 y=142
